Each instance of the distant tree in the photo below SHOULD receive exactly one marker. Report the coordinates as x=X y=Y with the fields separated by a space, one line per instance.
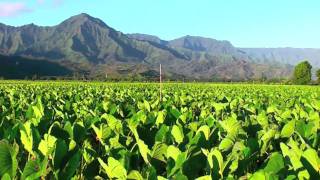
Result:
x=318 y=76
x=34 y=77
x=302 y=73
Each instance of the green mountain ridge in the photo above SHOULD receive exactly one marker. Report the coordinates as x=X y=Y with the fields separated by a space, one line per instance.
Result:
x=86 y=44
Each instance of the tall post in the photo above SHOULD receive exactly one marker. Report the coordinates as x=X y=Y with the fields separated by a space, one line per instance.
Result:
x=160 y=83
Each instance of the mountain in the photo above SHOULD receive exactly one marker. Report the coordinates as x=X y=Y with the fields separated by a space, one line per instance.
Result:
x=86 y=45
x=290 y=56
x=81 y=38
x=146 y=37
x=20 y=68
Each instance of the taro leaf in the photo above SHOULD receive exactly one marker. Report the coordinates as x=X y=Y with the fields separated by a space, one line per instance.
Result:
x=159 y=151
x=305 y=130
x=134 y=175
x=146 y=105
x=114 y=169
x=71 y=167
x=26 y=137
x=144 y=150
x=181 y=158
x=72 y=145
x=137 y=118
x=215 y=160
x=35 y=112
x=177 y=134
x=286 y=114
x=47 y=145
x=259 y=175
x=151 y=173
x=204 y=178
x=219 y=107
x=34 y=169
x=161 y=178
x=175 y=112
x=98 y=132
x=6 y=177
x=8 y=159
x=205 y=130
x=266 y=138
x=294 y=156
x=160 y=118
x=123 y=156
x=272 y=109
x=262 y=119
x=113 y=122
x=59 y=153
x=288 y=129
x=312 y=157
x=79 y=132
x=226 y=144
x=89 y=152
x=316 y=104
x=275 y=163
x=102 y=132
x=162 y=133
x=180 y=176
x=231 y=126
x=216 y=157
x=173 y=152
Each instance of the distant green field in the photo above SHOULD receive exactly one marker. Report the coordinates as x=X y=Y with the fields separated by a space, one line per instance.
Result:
x=78 y=130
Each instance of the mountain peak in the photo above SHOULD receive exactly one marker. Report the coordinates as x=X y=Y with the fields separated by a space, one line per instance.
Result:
x=197 y=43
x=83 y=15
x=82 y=18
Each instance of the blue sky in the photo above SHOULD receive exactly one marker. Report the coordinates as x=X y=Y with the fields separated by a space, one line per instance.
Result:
x=246 y=23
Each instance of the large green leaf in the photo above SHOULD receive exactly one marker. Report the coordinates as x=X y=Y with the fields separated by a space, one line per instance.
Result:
x=177 y=134
x=26 y=137
x=35 y=169
x=47 y=145
x=114 y=169
x=144 y=150
x=71 y=166
x=204 y=178
x=226 y=144
x=205 y=130
x=160 y=118
x=8 y=159
x=134 y=175
x=288 y=129
x=159 y=151
x=312 y=157
x=259 y=175
x=275 y=163
x=173 y=152
x=6 y=177
x=35 y=112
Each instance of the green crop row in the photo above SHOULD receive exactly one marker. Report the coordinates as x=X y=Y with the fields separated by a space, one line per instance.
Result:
x=124 y=131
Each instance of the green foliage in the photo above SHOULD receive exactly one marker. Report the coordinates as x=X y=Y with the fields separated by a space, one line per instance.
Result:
x=318 y=76
x=302 y=73
x=123 y=131
x=8 y=159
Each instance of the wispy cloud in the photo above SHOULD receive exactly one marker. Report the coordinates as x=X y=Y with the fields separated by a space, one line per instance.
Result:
x=57 y=3
x=40 y=1
x=18 y=7
x=52 y=3
x=12 y=9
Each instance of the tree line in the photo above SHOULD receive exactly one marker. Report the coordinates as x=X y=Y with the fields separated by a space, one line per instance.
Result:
x=302 y=74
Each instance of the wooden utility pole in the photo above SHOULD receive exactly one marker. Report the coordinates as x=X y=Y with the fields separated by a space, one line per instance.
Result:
x=160 y=83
